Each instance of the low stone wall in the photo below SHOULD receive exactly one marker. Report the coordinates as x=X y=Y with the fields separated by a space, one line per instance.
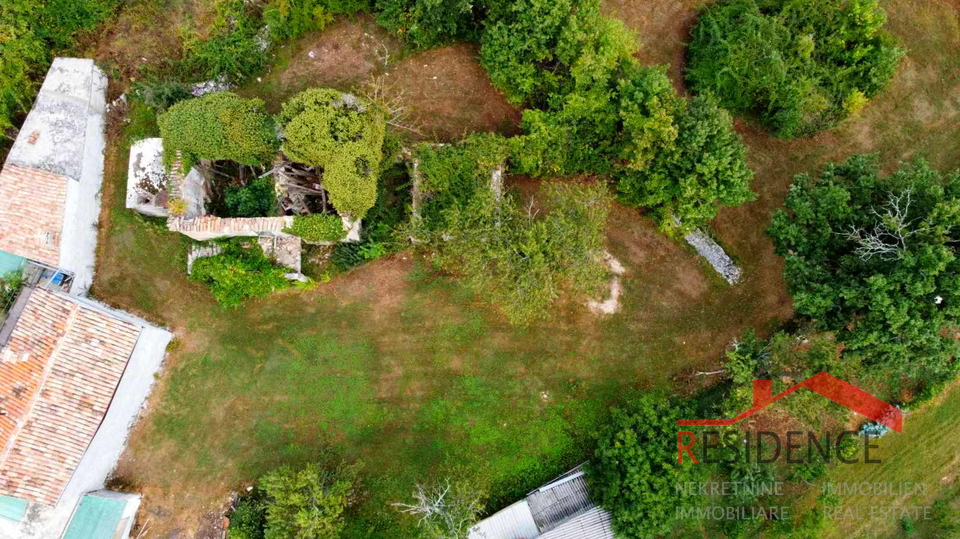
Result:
x=715 y=255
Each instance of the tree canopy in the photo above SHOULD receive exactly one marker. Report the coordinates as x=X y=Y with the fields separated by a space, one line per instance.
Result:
x=798 y=66
x=874 y=259
x=307 y=503
x=341 y=134
x=690 y=177
x=218 y=126
x=634 y=471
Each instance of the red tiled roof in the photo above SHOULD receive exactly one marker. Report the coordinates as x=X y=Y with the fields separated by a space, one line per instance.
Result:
x=58 y=374
x=32 y=204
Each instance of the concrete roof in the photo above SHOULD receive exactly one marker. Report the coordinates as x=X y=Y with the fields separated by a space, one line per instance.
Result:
x=50 y=183
x=58 y=374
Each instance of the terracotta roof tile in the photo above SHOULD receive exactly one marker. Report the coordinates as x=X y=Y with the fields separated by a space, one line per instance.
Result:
x=32 y=204
x=58 y=374
x=233 y=226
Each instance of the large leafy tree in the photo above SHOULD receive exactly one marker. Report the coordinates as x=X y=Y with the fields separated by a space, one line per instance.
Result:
x=874 y=259
x=688 y=178
x=432 y=23
x=634 y=471
x=798 y=66
x=218 y=126
x=341 y=134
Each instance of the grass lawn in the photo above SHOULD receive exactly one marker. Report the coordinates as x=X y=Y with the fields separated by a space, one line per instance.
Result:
x=408 y=372
x=925 y=453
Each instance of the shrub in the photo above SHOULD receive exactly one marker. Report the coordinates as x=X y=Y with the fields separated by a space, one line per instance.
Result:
x=318 y=228
x=634 y=471
x=800 y=66
x=32 y=32
x=249 y=518
x=341 y=134
x=160 y=96
x=874 y=259
x=257 y=199
x=307 y=503
x=432 y=23
x=239 y=273
x=10 y=285
x=218 y=126
x=523 y=261
x=347 y=256
x=233 y=51
x=689 y=178
x=290 y=19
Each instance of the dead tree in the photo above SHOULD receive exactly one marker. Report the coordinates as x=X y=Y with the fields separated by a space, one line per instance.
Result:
x=445 y=512
x=888 y=238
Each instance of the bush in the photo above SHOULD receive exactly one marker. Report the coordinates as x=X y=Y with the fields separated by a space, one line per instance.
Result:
x=32 y=32
x=290 y=19
x=318 y=228
x=234 y=50
x=258 y=199
x=523 y=261
x=218 y=126
x=341 y=134
x=798 y=66
x=347 y=256
x=432 y=23
x=160 y=96
x=689 y=178
x=634 y=471
x=874 y=259
x=249 y=518
x=307 y=503
x=239 y=273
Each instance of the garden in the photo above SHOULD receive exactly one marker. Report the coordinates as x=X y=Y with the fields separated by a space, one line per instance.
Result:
x=450 y=345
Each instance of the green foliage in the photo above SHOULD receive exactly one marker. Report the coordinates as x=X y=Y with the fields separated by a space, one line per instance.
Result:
x=432 y=23
x=239 y=273
x=256 y=199
x=873 y=259
x=341 y=134
x=218 y=126
x=799 y=66
x=290 y=19
x=452 y=174
x=10 y=285
x=318 y=228
x=689 y=178
x=347 y=256
x=234 y=49
x=31 y=33
x=161 y=95
x=634 y=471
x=521 y=261
x=249 y=518
x=307 y=503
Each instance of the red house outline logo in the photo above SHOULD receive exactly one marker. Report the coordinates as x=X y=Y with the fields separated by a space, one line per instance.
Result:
x=827 y=385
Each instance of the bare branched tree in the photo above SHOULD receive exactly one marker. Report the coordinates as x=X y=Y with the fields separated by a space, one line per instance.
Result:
x=445 y=512
x=888 y=238
x=391 y=102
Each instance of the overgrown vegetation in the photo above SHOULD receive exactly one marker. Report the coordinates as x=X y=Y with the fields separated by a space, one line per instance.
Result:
x=218 y=126
x=239 y=273
x=873 y=259
x=317 y=228
x=523 y=258
x=432 y=23
x=31 y=34
x=256 y=199
x=797 y=66
x=341 y=134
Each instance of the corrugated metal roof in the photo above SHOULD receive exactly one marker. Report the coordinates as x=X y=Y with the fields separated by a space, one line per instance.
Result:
x=592 y=524
x=558 y=502
x=96 y=517
x=514 y=522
